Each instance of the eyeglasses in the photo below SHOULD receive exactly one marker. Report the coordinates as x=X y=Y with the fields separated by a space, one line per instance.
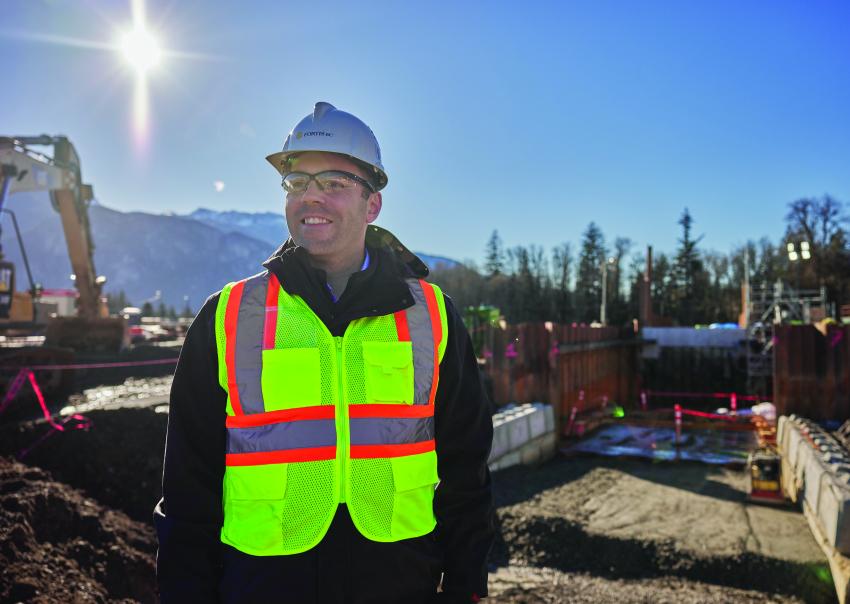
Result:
x=329 y=181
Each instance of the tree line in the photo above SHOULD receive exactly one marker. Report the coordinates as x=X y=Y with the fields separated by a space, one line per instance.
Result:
x=119 y=301
x=689 y=286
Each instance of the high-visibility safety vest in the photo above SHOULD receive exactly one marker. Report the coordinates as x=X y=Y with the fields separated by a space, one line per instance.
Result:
x=315 y=420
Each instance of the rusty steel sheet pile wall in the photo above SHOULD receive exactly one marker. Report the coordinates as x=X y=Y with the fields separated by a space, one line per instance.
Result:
x=556 y=363
x=811 y=371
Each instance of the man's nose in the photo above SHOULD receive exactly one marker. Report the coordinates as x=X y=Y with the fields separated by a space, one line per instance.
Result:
x=313 y=194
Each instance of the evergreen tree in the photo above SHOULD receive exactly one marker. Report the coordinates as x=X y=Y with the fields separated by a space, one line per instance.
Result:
x=690 y=278
x=588 y=292
x=494 y=262
x=147 y=309
x=116 y=302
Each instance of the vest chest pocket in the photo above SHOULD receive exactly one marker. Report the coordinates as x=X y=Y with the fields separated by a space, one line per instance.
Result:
x=291 y=378
x=388 y=368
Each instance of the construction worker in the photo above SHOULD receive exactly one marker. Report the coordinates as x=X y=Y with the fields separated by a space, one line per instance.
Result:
x=328 y=433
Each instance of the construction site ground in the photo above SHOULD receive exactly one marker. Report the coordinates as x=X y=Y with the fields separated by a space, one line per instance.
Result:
x=75 y=521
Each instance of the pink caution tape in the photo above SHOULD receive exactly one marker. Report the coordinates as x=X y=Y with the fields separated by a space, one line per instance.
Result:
x=94 y=365
x=24 y=375
x=743 y=397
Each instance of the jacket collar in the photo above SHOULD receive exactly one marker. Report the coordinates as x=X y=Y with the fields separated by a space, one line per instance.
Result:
x=378 y=290
x=378 y=240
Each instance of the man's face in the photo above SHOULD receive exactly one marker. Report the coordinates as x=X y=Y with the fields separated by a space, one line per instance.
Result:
x=331 y=226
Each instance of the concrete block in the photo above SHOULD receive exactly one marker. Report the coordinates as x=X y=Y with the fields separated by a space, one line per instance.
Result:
x=782 y=432
x=549 y=412
x=530 y=453
x=537 y=423
x=548 y=415
x=549 y=444
x=511 y=459
x=812 y=478
x=794 y=439
x=518 y=431
x=834 y=513
x=501 y=439
x=799 y=458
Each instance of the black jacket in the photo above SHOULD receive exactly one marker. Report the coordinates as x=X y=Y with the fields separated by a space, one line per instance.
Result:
x=192 y=563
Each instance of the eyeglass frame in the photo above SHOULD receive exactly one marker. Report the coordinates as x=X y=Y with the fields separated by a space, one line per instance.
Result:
x=313 y=178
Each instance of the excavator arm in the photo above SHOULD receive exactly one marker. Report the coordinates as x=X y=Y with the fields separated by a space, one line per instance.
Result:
x=26 y=170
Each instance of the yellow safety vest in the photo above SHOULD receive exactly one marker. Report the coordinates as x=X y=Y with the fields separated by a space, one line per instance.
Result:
x=315 y=420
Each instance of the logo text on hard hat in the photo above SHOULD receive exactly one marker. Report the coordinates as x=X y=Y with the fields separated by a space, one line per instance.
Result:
x=314 y=133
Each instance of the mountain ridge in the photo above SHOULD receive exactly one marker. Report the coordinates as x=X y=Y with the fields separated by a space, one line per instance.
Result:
x=169 y=258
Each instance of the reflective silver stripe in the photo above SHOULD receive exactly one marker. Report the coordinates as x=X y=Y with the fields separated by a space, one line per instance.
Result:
x=301 y=434
x=249 y=343
x=422 y=336
x=391 y=430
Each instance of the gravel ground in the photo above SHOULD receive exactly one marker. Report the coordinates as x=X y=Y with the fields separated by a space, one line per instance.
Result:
x=571 y=530
x=531 y=585
x=620 y=527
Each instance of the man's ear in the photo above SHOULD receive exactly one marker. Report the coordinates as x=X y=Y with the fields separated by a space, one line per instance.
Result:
x=373 y=207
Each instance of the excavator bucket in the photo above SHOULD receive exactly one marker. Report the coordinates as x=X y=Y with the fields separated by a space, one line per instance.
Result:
x=105 y=334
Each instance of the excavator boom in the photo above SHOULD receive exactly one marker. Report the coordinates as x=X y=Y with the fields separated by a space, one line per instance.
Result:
x=24 y=169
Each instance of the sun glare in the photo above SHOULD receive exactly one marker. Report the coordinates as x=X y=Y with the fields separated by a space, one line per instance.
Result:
x=141 y=50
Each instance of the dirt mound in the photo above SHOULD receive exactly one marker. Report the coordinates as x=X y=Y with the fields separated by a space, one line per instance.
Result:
x=56 y=545
x=118 y=462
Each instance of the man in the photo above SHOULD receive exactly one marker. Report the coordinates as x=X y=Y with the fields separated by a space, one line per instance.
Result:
x=328 y=434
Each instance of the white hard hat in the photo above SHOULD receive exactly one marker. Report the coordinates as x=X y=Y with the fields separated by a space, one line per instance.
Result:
x=333 y=131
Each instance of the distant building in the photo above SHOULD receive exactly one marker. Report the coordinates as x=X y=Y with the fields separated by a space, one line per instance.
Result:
x=64 y=299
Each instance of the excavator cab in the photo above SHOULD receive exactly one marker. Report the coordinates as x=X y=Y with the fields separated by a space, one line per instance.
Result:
x=7 y=288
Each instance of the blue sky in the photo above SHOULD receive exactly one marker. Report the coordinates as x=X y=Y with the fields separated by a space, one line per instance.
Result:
x=531 y=118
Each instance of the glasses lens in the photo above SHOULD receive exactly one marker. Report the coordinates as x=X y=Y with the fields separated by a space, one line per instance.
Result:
x=332 y=181
x=296 y=182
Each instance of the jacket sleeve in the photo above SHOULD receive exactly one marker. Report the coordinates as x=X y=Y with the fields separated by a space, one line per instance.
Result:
x=188 y=518
x=463 y=502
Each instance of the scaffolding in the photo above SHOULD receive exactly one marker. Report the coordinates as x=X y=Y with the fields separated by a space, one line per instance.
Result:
x=769 y=305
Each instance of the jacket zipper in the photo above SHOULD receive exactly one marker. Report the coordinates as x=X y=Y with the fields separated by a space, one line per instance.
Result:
x=342 y=423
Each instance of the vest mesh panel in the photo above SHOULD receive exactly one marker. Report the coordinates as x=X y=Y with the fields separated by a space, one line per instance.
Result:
x=307 y=496
x=372 y=497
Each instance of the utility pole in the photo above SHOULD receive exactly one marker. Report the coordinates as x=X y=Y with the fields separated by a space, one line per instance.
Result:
x=602 y=314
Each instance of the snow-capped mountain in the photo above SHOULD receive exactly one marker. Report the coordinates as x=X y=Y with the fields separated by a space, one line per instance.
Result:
x=184 y=258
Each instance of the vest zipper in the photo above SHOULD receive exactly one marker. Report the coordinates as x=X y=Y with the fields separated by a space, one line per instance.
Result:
x=342 y=426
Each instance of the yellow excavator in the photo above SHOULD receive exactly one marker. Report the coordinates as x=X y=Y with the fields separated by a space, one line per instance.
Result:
x=56 y=171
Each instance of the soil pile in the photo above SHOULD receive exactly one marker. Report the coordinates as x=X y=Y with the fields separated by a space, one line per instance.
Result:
x=117 y=462
x=56 y=545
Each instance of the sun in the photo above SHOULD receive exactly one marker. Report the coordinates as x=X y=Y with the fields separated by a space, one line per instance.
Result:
x=141 y=50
